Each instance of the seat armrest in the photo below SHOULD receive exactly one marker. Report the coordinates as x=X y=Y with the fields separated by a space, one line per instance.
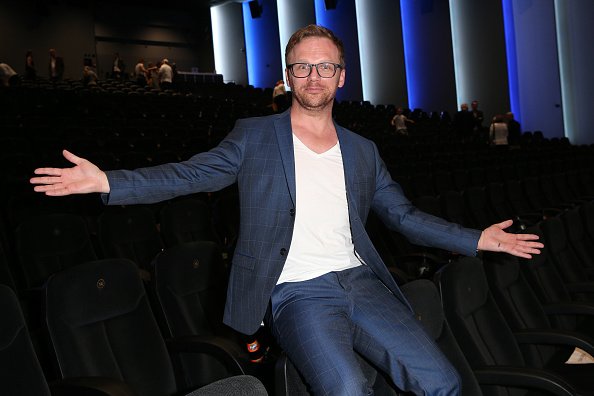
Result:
x=524 y=377
x=569 y=308
x=555 y=337
x=92 y=386
x=580 y=287
x=224 y=350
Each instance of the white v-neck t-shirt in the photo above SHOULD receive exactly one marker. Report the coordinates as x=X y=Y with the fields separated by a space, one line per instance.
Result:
x=322 y=239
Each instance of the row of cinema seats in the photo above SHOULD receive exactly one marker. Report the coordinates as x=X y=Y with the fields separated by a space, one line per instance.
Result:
x=184 y=286
x=53 y=243
x=510 y=326
x=143 y=236
x=105 y=341
x=475 y=316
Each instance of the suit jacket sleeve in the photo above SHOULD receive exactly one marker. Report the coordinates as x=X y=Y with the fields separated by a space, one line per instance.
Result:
x=397 y=212
x=204 y=172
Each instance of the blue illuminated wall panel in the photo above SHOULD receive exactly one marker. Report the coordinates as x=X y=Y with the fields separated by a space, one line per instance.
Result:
x=343 y=22
x=383 y=76
x=535 y=85
x=428 y=54
x=262 y=45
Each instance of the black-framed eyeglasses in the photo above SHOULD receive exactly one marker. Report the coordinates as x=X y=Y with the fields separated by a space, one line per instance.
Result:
x=325 y=69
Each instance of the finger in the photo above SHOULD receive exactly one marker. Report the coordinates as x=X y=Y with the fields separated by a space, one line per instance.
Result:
x=48 y=171
x=527 y=237
x=52 y=190
x=44 y=180
x=71 y=157
x=530 y=244
x=504 y=224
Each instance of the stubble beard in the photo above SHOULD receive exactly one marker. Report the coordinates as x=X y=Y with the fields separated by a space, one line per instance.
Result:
x=315 y=102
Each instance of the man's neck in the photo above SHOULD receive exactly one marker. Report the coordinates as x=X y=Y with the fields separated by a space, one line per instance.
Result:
x=314 y=128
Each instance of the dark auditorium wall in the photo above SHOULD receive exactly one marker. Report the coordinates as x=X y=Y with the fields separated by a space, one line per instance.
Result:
x=29 y=25
x=101 y=30
x=182 y=37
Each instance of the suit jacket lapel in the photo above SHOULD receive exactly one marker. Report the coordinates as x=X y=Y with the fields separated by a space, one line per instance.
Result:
x=284 y=135
x=349 y=159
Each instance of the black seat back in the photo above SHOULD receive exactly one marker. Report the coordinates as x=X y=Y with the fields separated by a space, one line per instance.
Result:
x=101 y=324
x=21 y=373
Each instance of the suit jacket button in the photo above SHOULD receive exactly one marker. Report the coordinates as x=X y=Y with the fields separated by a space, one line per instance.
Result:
x=283 y=252
x=292 y=212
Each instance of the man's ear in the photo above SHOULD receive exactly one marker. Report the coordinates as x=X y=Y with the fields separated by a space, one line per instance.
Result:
x=287 y=78
x=342 y=78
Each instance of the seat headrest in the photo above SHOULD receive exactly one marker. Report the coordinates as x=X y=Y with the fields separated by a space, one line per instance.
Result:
x=187 y=268
x=94 y=291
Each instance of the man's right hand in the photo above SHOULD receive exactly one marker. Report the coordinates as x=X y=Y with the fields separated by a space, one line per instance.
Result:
x=85 y=177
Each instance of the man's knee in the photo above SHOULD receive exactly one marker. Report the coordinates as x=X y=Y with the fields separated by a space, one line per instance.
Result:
x=448 y=383
x=355 y=386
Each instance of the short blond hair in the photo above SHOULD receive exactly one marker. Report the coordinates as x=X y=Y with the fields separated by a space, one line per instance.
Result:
x=314 y=31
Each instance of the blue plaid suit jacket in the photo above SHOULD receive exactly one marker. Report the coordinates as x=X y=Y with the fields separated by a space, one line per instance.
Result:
x=258 y=155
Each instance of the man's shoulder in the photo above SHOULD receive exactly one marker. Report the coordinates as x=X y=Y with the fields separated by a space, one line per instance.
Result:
x=260 y=121
x=353 y=135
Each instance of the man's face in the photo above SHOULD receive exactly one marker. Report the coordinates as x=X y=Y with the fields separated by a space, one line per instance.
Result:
x=315 y=92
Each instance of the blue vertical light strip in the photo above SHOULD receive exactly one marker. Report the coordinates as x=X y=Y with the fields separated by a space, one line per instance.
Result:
x=408 y=38
x=457 y=54
x=512 y=58
x=250 y=29
x=321 y=14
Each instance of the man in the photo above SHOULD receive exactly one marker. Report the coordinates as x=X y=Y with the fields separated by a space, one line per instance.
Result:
x=8 y=77
x=55 y=66
x=463 y=123
x=514 y=128
x=165 y=75
x=303 y=261
x=399 y=122
x=477 y=116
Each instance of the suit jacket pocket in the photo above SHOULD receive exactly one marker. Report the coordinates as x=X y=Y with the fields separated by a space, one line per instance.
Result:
x=243 y=261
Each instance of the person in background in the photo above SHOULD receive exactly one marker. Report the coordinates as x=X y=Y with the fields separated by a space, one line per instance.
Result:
x=279 y=97
x=514 y=128
x=8 y=77
x=463 y=123
x=117 y=67
x=141 y=73
x=304 y=263
x=498 y=132
x=477 y=115
x=56 y=66
x=399 y=122
x=30 y=71
x=165 y=75
x=89 y=76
